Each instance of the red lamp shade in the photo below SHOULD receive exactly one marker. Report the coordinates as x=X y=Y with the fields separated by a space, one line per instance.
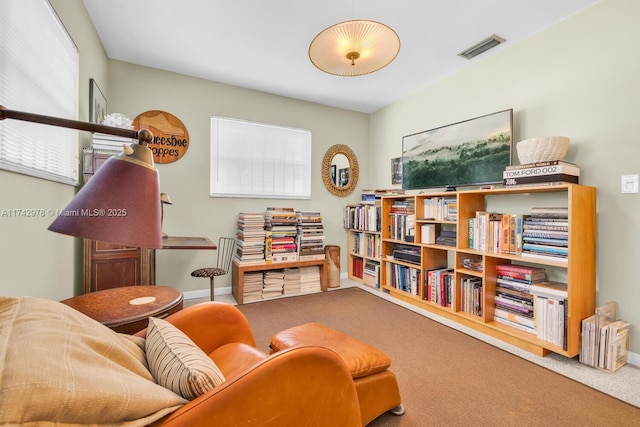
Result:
x=120 y=204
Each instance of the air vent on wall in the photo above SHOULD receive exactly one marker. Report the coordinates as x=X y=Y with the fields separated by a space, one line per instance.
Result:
x=481 y=47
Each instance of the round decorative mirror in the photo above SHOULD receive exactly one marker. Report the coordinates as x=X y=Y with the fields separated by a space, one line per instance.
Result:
x=340 y=170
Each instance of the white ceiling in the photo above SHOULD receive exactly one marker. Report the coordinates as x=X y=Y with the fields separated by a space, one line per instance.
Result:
x=263 y=44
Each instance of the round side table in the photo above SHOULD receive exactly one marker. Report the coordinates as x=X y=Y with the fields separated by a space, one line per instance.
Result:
x=126 y=309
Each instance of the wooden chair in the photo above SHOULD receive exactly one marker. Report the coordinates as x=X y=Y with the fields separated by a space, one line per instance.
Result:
x=226 y=248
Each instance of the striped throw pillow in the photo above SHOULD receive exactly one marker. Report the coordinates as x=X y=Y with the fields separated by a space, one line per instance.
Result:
x=177 y=363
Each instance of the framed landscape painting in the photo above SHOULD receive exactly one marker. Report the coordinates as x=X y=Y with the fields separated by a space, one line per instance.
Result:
x=471 y=152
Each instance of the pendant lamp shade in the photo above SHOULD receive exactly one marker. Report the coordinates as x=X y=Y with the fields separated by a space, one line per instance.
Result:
x=354 y=48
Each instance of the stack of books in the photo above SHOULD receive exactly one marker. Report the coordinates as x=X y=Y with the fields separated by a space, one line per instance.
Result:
x=310 y=279
x=106 y=142
x=551 y=312
x=545 y=234
x=605 y=339
x=310 y=235
x=514 y=299
x=250 y=236
x=543 y=173
x=281 y=234
x=253 y=283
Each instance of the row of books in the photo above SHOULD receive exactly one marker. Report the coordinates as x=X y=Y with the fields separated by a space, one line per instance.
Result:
x=541 y=234
x=542 y=173
x=362 y=217
x=259 y=285
x=545 y=234
x=605 y=339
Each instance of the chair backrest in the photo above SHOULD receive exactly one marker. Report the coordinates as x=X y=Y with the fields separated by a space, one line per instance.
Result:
x=226 y=248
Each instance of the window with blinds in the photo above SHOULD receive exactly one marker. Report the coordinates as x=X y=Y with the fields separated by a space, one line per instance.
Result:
x=38 y=74
x=251 y=159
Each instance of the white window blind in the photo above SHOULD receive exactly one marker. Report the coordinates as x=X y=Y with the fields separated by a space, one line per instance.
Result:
x=38 y=74
x=251 y=159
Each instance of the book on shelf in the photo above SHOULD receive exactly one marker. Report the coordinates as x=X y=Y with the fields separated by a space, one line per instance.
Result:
x=558 y=212
x=558 y=169
x=516 y=320
x=552 y=240
x=541 y=164
x=522 y=272
x=551 y=320
x=545 y=256
x=550 y=289
x=541 y=179
x=516 y=225
x=617 y=345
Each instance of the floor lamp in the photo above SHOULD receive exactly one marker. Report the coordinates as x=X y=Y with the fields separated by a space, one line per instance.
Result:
x=120 y=204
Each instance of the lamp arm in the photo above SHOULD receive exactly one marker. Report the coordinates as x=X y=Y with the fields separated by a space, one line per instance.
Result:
x=143 y=135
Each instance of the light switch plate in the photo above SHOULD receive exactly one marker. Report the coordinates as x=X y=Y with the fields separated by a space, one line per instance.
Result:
x=629 y=184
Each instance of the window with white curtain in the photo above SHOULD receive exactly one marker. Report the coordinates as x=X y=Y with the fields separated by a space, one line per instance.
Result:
x=38 y=74
x=251 y=159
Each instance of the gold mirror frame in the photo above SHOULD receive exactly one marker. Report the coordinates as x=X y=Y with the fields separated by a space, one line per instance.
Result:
x=354 y=170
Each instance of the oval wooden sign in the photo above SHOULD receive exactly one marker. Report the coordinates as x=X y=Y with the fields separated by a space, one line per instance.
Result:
x=170 y=136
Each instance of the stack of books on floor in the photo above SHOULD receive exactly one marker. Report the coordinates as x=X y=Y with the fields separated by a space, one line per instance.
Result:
x=545 y=234
x=291 y=281
x=605 y=339
x=273 y=283
x=250 y=236
x=253 y=286
x=514 y=299
x=551 y=312
x=543 y=173
x=281 y=233
x=310 y=279
x=310 y=236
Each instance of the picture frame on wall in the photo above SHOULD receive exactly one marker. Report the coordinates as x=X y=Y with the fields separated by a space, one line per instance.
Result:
x=97 y=103
x=396 y=170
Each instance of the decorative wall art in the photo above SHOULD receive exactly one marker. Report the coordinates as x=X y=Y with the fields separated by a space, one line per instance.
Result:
x=97 y=103
x=396 y=170
x=471 y=152
x=170 y=136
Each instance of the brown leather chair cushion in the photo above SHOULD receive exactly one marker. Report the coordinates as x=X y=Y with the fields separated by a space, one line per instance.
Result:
x=361 y=358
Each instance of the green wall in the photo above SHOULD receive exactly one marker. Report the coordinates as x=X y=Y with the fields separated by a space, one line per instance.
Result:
x=135 y=89
x=579 y=79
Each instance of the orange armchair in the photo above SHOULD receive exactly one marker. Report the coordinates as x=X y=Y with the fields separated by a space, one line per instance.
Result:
x=304 y=385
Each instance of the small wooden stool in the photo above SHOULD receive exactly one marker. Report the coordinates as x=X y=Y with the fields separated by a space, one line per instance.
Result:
x=376 y=385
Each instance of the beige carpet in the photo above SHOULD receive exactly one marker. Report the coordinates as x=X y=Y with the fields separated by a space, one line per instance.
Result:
x=446 y=378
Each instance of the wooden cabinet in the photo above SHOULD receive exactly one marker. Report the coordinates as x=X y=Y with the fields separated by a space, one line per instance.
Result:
x=106 y=265
x=363 y=243
x=578 y=270
x=109 y=266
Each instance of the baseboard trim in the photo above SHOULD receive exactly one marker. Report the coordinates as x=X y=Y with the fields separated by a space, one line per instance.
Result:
x=205 y=293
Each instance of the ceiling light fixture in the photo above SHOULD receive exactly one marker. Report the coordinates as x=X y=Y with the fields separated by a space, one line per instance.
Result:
x=354 y=48
x=121 y=202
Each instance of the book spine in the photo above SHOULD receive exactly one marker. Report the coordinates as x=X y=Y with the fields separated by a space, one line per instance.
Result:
x=541 y=179
x=541 y=164
x=541 y=171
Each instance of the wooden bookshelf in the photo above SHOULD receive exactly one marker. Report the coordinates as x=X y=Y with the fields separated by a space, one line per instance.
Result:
x=579 y=268
x=364 y=244
x=238 y=271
